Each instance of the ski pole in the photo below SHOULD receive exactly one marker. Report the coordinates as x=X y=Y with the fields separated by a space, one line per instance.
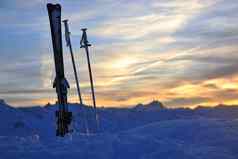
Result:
x=68 y=43
x=85 y=44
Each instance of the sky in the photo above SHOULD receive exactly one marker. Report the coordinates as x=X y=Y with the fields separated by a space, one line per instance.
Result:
x=182 y=53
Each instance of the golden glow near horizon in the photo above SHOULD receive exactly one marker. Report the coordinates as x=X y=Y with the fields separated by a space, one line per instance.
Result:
x=182 y=53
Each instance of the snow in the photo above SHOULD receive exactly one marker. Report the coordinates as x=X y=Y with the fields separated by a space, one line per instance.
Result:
x=145 y=132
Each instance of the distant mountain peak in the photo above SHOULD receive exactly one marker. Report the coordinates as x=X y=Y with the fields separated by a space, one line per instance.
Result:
x=154 y=105
x=4 y=106
x=2 y=102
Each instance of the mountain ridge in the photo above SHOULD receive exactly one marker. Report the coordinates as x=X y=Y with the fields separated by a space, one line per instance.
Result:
x=154 y=104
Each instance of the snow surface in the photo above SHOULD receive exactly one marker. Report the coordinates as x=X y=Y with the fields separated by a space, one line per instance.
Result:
x=142 y=132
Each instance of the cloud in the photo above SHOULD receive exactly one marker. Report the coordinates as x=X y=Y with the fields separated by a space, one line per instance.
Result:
x=19 y=4
x=186 y=101
x=166 y=18
x=28 y=91
x=219 y=21
x=177 y=51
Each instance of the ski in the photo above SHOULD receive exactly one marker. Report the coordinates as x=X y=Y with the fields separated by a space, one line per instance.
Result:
x=64 y=117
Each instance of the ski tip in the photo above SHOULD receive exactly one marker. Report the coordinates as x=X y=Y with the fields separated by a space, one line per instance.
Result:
x=84 y=29
x=51 y=6
x=65 y=20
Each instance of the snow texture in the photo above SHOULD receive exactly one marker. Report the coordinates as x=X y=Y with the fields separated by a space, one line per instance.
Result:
x=142 y=132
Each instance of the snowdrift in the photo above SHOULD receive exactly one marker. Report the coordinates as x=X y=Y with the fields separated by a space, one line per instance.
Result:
x=145 y=131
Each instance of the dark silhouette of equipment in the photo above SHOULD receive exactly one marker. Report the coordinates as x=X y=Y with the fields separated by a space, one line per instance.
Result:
x=64 y=117
x=85 y=44
x=68 y=43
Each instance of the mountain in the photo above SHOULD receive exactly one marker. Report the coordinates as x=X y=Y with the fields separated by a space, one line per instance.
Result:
x=152 y=106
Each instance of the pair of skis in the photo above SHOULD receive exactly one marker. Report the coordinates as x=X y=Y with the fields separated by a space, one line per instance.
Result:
x=64 y=116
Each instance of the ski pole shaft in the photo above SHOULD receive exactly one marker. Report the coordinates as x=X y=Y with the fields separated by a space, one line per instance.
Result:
x=91 y=78
x=92 y=87
x=85 y=44
x=68 y=41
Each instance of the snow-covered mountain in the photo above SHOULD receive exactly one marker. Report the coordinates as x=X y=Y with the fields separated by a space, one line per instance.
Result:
x=148 y=131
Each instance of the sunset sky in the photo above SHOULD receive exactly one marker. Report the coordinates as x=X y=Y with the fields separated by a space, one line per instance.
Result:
x=181 y=52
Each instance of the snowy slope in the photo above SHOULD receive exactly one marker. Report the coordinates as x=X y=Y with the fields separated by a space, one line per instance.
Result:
x=147 y=132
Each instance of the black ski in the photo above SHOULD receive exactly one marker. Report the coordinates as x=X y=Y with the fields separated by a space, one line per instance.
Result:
x=64 y=117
